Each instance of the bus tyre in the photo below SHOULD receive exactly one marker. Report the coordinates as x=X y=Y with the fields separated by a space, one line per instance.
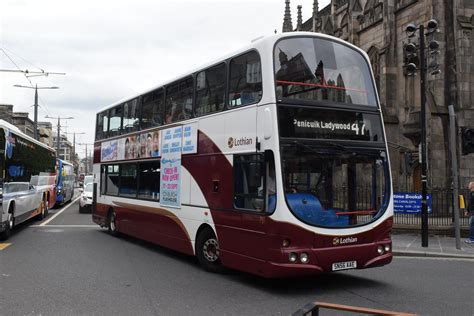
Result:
x=112 y=224
x=207 y=251
x=9 y=227
x=43 y=211
x=46 y=207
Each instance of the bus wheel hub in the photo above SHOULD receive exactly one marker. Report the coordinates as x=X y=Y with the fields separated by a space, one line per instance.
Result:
x=211 y=250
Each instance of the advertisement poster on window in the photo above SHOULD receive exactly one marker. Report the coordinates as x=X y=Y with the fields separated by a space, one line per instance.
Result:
x=121 y=149
x=170 y=190
x=109 y=151
x=190 y=139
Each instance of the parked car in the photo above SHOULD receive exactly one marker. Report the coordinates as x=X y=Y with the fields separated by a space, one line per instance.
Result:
x=85 y=202
x=80 y=180
x=20 y=202
x=88 y=179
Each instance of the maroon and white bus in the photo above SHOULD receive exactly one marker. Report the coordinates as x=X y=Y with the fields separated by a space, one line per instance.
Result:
x=272 y=160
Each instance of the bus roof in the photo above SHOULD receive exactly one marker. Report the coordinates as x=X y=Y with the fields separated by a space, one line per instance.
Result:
x=16 y=130
x=262 y=42
x=65 y=162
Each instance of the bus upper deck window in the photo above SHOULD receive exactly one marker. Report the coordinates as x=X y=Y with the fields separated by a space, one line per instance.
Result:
x=179 y=100
x=153 y=105
x=115 y=120
x=210 y=90
x=245 y=85
x=130 y=116
x=317 y=69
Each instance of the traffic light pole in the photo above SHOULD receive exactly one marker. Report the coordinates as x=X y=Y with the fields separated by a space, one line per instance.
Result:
x=424 y=176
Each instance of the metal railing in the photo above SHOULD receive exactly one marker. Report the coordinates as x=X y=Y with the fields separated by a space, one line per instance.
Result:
x=442 y=215
x=312 y=309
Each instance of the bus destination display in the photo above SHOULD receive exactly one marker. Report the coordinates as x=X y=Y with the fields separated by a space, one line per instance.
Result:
x=329 y=124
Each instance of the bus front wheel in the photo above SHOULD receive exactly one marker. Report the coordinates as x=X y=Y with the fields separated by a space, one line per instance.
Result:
x=207 y=251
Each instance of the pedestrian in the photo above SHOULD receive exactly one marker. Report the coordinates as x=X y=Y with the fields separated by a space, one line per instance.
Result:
x=470 y=240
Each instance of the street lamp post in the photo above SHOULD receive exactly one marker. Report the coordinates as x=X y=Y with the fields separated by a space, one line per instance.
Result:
x=87 y=157
x=74 y=145
x=412 y=60
x=59 y=129
x=35 y=105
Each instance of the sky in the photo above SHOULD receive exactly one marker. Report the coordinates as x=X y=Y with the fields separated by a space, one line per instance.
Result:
x=111 y=50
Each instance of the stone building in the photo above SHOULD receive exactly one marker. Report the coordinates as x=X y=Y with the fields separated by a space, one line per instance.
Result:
x=378 y=27
x=65 y=147
x=24 y=123
x=45 y=133
x=6 y=111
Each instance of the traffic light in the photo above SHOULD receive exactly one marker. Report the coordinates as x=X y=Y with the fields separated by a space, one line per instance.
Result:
x=433 y=48
x=410 y=59
x=467 y=140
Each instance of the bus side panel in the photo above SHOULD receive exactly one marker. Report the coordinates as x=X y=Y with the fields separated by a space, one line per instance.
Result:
x=150 y=223
x=99 y=214
x=241 y=234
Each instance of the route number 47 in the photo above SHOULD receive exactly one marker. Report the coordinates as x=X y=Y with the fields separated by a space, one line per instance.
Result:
x=356 y=129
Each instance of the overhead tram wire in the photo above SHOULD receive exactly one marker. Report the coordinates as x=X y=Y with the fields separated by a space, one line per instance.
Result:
x=26 y=73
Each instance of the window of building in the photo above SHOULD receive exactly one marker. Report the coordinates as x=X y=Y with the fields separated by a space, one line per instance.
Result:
x=249 y=182
x=245 y=80
x=149 y=181
x=210 y=90
x=130 y=116
x=115 y=120
x=179 y=100
x=152 y=109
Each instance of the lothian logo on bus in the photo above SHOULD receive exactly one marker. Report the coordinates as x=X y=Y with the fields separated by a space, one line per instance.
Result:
x=242 y=141
x=343 y=240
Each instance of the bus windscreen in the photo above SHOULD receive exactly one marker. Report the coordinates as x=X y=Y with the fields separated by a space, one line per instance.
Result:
x=317 y=69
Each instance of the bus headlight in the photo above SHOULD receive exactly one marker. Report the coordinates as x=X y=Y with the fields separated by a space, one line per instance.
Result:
x=304 y=258
x=387 y=248
x=380 y=250
x=292 y=257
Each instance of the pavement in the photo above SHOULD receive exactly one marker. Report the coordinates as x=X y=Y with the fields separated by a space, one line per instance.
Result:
x=409 y=244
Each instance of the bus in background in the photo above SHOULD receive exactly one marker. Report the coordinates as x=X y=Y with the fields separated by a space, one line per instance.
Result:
x=272 y=160
x=64 y=182
x=27 y=175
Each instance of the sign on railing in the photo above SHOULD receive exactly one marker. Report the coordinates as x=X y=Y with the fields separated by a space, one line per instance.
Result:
x=410 y=203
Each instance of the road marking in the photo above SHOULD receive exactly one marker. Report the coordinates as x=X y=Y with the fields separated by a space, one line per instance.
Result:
x=60 y=211
x=4 y=245
x=64 y=226
x=436 y=258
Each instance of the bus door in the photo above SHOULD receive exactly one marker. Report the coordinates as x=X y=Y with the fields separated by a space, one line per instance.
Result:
x=254 y=199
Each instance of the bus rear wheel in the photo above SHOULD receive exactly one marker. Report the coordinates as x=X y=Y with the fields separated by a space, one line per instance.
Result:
x=112 y=224
x=208 y=252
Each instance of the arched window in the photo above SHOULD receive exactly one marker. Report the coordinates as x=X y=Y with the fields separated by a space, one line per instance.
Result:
x=374 y=57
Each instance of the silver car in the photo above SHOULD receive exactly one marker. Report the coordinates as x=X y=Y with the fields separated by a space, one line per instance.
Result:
x=20 y=202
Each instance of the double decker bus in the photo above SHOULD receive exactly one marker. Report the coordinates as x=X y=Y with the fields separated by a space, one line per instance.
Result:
x=27 y=178
x=64 y=181
x=272 y=161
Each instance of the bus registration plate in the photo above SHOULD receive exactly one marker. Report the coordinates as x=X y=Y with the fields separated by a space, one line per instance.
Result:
x=344 y=265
